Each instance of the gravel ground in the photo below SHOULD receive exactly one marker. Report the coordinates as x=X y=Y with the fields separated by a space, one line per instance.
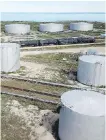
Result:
x=19 y=122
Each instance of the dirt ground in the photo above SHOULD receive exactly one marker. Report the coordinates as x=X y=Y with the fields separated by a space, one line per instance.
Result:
x=21 y=121
x=36 y=70
x=26 y=122
x=43 y=70
x=70 y=50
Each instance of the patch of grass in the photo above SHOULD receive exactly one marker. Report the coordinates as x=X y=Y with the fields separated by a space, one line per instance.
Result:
x=14 y=127
x=58 y=35
x=22 y=68
x=11 y=125
x=102 y=86
x=49 y=58
x=25 y=102
x=35 y=27
x=59 y=62
x=33 y=86
x=69 y=34
x=36 y=95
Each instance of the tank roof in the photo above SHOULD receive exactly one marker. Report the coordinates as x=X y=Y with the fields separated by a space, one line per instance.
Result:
x=50 y=24
x=17 y=24
x=92 y=58
x=84 y=102
x=103 y=34
x=81 y=23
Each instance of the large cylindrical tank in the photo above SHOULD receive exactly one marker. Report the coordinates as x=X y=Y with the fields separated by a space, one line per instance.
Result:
x=51 y=27
x=82 y=116
x=81 y=26
x=9 y=57
x=17 y=29
x=91 y=70
x=103 y=35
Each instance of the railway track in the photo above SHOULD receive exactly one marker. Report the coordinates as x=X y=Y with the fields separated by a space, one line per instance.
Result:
x=30 y=97
x=36 y=81
x=41 y=91
x=32 y=90
x=31 y=80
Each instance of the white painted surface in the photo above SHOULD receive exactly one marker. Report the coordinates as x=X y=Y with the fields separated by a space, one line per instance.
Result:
x=91 y=70
x=103 y=35
x=51 y=27
x=9 y=57
x=92 y=52
x=82 y=116
x=81 y=26
x=17 y=28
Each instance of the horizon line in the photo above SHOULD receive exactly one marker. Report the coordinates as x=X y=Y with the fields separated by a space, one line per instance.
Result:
x=56 y=12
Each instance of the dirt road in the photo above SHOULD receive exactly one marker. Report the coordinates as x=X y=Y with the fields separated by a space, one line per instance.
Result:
x=69 y=50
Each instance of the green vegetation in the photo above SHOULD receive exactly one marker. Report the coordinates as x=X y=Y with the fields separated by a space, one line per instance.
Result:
x=49 y=58
x=35 y=95
x=57 y=59
x=25 y=102
x=14 y=126
x=100 y=28
x=58 y=35
x=11 y=125
x=102 y=86
x=59 y=62
x=34 y=86
x=20 y=71
x=35 y=25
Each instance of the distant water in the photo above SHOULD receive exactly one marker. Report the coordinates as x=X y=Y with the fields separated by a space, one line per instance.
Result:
x=52 y=17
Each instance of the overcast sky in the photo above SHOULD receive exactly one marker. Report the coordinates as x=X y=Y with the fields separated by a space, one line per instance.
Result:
x=56 y=6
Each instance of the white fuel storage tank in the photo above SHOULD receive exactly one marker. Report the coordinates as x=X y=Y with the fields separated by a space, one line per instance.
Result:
x=17 y=29
x=103 y=35
x=81 y=26
x=9 y=57
x=82 y=116
x=51 y=27
x=91 y=70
